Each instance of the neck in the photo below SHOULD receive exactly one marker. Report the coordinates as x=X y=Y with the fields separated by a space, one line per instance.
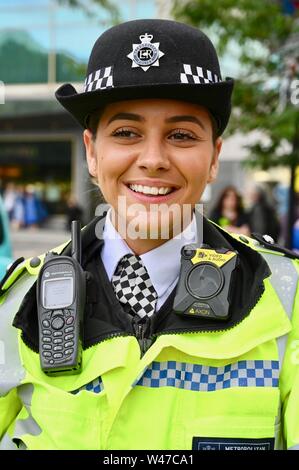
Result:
x=146 y=240
x=141 y=246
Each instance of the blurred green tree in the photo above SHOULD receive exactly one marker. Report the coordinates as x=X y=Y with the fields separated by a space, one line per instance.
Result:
x=261 y=31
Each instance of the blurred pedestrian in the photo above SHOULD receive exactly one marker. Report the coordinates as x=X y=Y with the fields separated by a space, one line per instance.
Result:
x=262 y=214
x=73 y=212
x=9 y=199
x=31 y=207
x=35 y=211
x=229 y=212
x=18 y=214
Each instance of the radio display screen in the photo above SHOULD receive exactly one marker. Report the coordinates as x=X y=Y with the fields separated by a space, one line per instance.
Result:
x=58 y=293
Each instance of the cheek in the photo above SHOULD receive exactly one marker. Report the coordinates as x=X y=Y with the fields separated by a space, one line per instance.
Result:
x=110 y=166
x=198 y=171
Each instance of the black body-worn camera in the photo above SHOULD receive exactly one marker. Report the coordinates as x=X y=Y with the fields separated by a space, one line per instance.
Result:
x=61 y=297
x=205 y=281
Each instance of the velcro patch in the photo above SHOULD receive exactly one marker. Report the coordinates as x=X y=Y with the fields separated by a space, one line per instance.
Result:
x=220 y=443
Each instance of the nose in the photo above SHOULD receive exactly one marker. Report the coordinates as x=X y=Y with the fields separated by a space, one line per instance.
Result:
x=153 y=155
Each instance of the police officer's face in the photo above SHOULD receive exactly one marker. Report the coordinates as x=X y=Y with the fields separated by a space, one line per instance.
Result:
x=149 y=146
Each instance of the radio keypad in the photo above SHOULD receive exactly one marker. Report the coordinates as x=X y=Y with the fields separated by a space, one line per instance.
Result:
x=57 y=333
x=57 y=323
x=57 y=355
x=57 y=340
x=63 y=346
x=47 y=354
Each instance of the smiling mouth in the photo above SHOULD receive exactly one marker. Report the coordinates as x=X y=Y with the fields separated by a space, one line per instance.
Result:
x=151 y=190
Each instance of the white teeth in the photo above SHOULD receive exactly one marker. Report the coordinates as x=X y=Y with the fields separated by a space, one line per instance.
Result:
x=149 y=189
x=153 y=190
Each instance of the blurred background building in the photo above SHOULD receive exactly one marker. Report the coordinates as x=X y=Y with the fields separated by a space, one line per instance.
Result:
x=44 y=43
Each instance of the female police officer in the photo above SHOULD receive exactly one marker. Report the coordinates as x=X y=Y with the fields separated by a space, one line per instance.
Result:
x=182 y=347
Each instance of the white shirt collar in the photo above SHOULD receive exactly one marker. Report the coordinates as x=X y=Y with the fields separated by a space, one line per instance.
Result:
x=162 y=263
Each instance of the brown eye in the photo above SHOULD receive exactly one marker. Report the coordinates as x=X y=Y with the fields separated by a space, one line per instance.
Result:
x=126 y=133
x=181 y=135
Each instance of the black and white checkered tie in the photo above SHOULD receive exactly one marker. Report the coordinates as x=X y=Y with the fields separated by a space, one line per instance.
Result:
x=132 y=285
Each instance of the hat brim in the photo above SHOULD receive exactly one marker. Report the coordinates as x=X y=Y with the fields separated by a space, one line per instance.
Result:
x=215 y=97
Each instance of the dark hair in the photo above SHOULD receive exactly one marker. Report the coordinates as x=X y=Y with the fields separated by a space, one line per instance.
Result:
x=94 y=119
x=223 y=194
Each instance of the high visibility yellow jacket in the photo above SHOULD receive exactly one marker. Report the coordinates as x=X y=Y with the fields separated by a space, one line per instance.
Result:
x=224 y=388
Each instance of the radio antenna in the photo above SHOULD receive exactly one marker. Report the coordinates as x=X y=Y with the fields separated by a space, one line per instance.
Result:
x=76 y=240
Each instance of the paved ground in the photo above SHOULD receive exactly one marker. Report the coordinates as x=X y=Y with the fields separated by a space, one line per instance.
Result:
x=29 y=243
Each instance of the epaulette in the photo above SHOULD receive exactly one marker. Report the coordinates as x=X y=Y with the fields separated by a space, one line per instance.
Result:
x=31 y=265
x=264 y=243
x=268 y=242
x=10 y=270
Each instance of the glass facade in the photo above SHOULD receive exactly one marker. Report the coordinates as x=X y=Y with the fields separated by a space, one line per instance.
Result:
x=47 y=41
x=41 y=42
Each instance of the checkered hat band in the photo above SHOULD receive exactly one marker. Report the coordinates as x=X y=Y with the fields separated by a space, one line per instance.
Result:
x=194 y=74
x=95 y=386
x=100 y=79
x=209 y=379
x=132 y=285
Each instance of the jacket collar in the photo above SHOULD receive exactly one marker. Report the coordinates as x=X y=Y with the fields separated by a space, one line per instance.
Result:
x=105 y=317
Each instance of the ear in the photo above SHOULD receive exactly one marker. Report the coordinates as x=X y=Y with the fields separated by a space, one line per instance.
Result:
x=90 y=152
x=213 y=172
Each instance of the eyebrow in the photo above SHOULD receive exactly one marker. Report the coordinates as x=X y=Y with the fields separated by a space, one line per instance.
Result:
x=173 y=119
x=126 y=116
x=188 y=118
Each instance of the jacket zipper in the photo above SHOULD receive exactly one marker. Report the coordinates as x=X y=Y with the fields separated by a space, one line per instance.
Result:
x=141 y=326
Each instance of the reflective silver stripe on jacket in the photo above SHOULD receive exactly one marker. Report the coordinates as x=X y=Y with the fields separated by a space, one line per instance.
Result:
x=28 y=425
x=22 y=426
x=11 y=369
x=284 y=279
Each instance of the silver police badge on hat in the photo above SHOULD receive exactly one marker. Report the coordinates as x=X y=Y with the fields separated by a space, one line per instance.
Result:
x=146 y=54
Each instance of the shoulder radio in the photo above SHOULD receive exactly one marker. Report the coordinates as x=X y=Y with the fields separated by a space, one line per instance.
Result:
x=61 y=296
x=205 y=283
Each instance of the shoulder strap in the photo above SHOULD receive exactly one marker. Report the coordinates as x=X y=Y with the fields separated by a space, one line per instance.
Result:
x=11 y=369
x=20 y=266
x=284 y=279
x=12 y=267
x=268 y=242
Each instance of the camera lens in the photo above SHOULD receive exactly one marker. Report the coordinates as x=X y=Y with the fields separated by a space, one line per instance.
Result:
x=205 y=281
x=188 y=251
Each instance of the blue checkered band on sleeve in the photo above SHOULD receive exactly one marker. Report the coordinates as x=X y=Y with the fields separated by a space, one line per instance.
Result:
x=208 y=378
x=96 y=386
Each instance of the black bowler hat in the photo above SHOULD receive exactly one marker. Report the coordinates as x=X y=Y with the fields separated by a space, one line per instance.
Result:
x=151 y=59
